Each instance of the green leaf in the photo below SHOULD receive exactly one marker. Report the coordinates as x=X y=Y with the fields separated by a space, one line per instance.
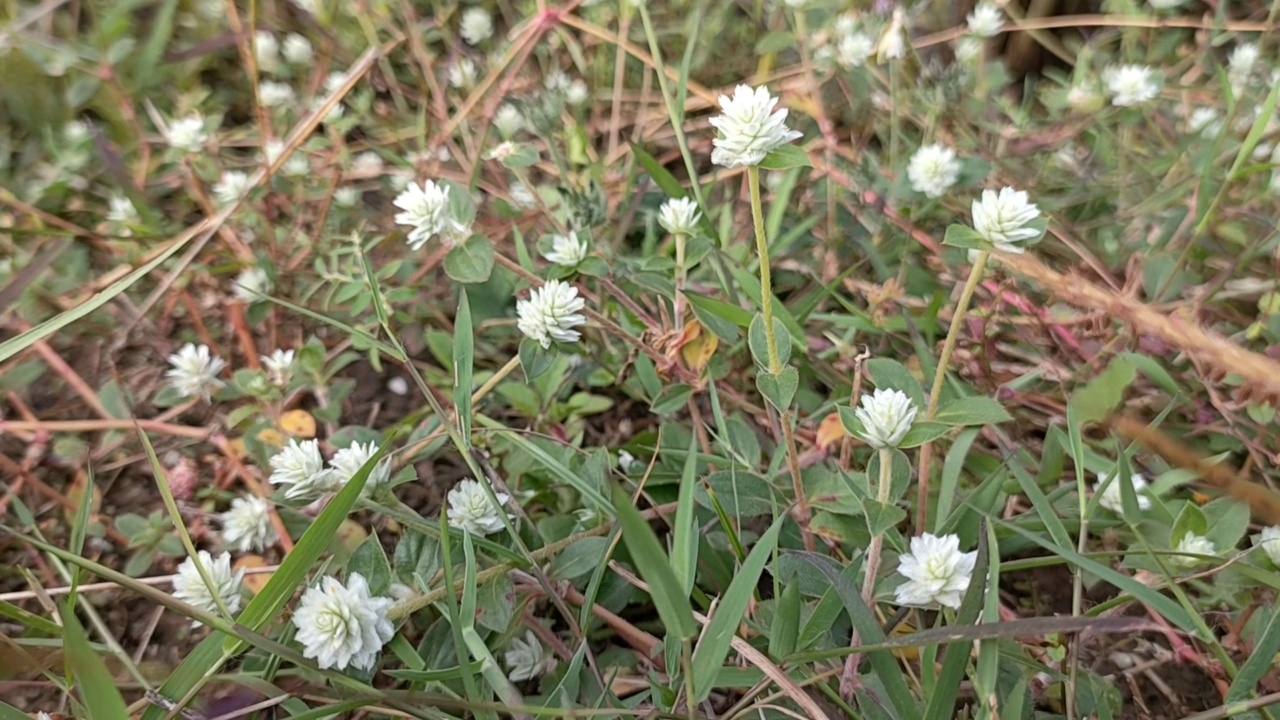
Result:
x=535 y=360
x=471 y=261
x=732 y=313
x=1260 y=662
x=671 y=399
x=464 y=348
x=579 y=559
x=881 y=517
x=371 y=561
x=715 y=642
x=893 y=375
x=722 y=328
x=786 y=157
x=496 y=602
x=97 y=689
x=963 y=236
x=775 y=42
x=785 y=630
x=972 y=411
x=664 y=179
x=759 y=343
x=651 y=561
x=779 y=389
x=1098 y=399
x=741 y=494
x=522 y=157
x=684 y=544
x=921 y=433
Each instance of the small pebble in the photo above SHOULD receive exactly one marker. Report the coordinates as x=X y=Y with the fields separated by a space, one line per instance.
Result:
x=398 y=385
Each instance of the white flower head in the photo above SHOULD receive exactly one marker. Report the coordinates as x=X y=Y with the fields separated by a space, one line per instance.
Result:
x=679 y=216
x=522 y=197
x=1192 y=544
x=343 y=625
x=194 y=371
x=232 y=186
x=1240 y=63
x=426 y=211
x=462 y=74
x=298 y=165
x=77 y=131
x=551 y=312
x=246 y=525
x=1165 y=4
x=1112 y=496
x=749 y=128
x=986 y=20
x=933 y=169
x=526 y=658
x=1131 y=84
x=477 y=26
x=886 y=416
x=300 y=467
x=346 y=462
x=279 y=365
x=893 y=41
x=854 y=50
x=577 y=92
x=120 y=210
x=970 y=49
x=626 y=461
x=334 y=81
x=186 y=134
x=272 y=150
x=509 y=120
x=937 y=572
x=1269 y=541
x=347 y=196
x=266 y=50
x=189 y=587
x=275 y=94
x=1206 y=120
x=367 y=163
x=297 y=49
x=471 y=510
x=567 y=250
x=250 y=281
x=1002 y=219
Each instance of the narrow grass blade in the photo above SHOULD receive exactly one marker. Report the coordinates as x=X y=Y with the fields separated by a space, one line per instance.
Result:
x=9 y=712
x=591 y=495
x=96 y=687
x=1259 y=663
x=651 y=561
x=714 y=645
x=942 y=702
x=868 y=629
x=464 y=348
x=684 y=548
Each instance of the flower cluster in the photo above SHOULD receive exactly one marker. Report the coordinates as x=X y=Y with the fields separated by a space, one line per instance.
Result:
x=1003 y=219
x=1112 y=497
x=189 y=586
x=749 y=128
x=551 y=313
x=471 y=510
x=427 y=213
x=300 y=468
x=246 y=526
x=343 y=625
x=937 y=572
x=194 y=371
x=886 y=416
x=933 y=169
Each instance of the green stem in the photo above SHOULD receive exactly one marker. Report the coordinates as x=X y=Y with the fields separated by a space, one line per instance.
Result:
x=883 y=488
x=940 y=378
x=766 y=280
x=678 y=310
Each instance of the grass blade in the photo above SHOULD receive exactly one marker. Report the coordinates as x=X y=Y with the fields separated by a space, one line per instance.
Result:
x=684 y=546
x=714 y=645
x=464 y=348
x=97 y=689
x=942 y=702
x=651 y=561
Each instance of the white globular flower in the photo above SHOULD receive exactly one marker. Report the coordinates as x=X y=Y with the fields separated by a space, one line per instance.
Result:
x=551 y=312
x=272 y=150
x=1131 y=85
x=679 y=216
x=267 y=50
x=194 y=371
x=577 y=92
x=346 y=462
x=186 y=133
x=246 y=525
x=367 y=163
x=1112 y=496
x=1205 y=120
x=986 y=20
x=120 y=210
x=567 y=250
x=749 y=128
x=334 y=81
x=346 y=196
x=298 y=165
x=190 y=588
x=300 y=468
x=933 y=169
x=232 y=186
x=426 y=211
x=297 y=49
x=1269 y=541
x=250 y=282
x=471 y=510
x=522 y=197
x=279 y=365
x=1002 y=219
x=937 y=572
x=77 y=131
x=969 y=49
x=1240 y=63
x=477 y=26
x=886 y=416
x=343 y=625
x=462 y=74
x=509 y=120
x=275 y=94
x=526 y=658
x=1192 y=544
x=854 y=50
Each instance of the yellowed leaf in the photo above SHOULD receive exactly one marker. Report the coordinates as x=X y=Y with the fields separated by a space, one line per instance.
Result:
x=254 y=581
x=272 y=437
x=76 y=495
x=699 y=348
x=830 y=431
x=298 y=423
x=237 y=448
